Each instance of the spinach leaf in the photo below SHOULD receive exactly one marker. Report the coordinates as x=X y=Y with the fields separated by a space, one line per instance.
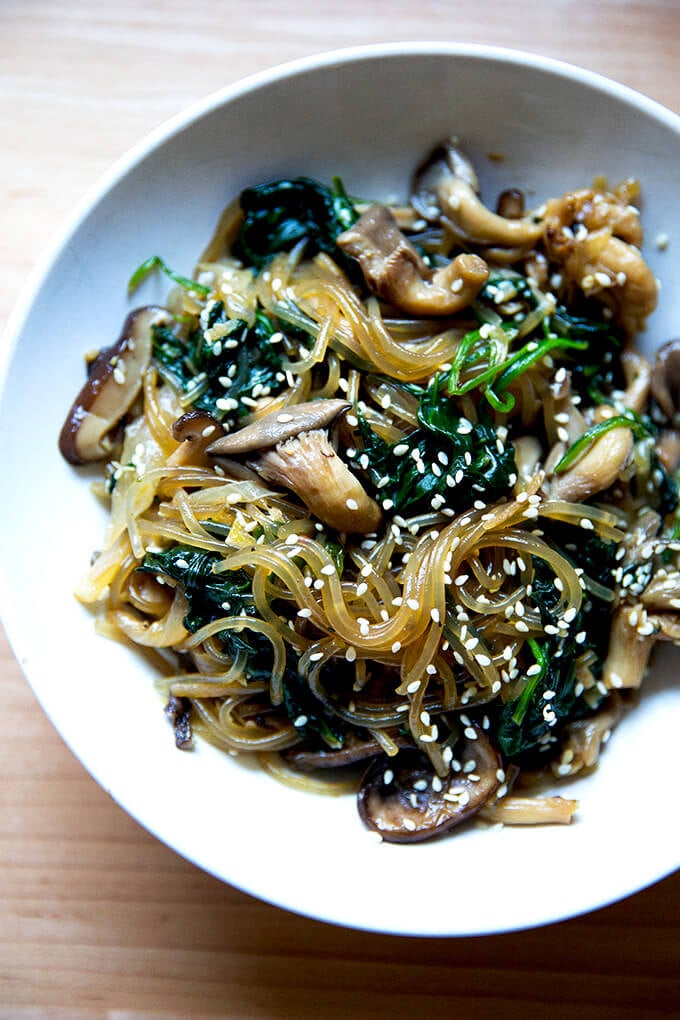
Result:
x=448 y=457
x=222 y=375
x=280 y=213
x=529 y=725
x=211 y=596
x=596 y=372
x=308 y=714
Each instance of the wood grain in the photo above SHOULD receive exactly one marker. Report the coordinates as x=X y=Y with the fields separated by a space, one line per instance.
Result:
x=97 y=919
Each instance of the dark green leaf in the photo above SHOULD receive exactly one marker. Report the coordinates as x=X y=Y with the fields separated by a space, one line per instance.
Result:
x=280 y=213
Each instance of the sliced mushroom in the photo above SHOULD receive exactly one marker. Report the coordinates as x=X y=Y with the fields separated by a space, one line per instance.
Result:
x=395 y=271
x=280 y=425
x=195 y=431
x=665 y=383
x=353 y=750
x=403 y=800
x=309 y=466
x=178 y=711
x=596 y=469
x=114 y=380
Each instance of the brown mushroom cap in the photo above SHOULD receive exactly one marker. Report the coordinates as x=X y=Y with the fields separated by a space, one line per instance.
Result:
x=114 y=380
x=397 y=797
x=279 y=426
x=665 y=382
x=195 y=431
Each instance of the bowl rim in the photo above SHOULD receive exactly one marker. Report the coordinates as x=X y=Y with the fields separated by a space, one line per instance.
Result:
x=159 y=135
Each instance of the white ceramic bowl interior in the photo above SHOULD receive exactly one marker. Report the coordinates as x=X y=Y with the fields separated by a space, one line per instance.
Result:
x=367 y=115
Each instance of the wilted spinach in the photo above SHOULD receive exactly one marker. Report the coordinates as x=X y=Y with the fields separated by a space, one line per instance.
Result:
x=211 y=596
x=522 y=723
x=596 y=372
x=448 y=456
x=280 y=213
x=308 y=714
x=245 y=357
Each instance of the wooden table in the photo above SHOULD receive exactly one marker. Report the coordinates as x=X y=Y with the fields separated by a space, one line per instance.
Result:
x=97 y=919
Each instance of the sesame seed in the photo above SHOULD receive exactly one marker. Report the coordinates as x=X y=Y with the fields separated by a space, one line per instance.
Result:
x=301 y=721
x=400 y=449
x=413 y=604
x=461 y=579
x=534 y=670
x=388 y=776
x=351 y=654
x=328 y=569
x=470 y=732
x=304 y=613
x=434 y=615
x=351 y=504
x=316 y=656
x=396 y=647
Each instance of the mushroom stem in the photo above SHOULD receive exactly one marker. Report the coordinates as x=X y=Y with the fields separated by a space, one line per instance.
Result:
x=471 y=218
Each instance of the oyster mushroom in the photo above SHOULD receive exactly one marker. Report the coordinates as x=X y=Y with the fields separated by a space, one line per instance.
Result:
x=403 y=800
x=395 y=271
x=584 y=738
x=292 y=450
x=665 y=383
x=594 y=239
x=445 y=160
x=629 y=650
x=114 y=380
x=638 y=375
x=597 y=469
x=446 y=189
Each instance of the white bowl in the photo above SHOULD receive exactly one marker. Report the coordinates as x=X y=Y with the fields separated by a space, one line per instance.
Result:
x=367 y=115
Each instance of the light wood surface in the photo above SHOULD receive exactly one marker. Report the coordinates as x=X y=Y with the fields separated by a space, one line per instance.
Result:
x=98 y=919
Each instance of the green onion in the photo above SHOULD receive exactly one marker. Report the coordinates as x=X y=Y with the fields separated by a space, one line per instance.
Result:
x=156 y=262
x=629 y=421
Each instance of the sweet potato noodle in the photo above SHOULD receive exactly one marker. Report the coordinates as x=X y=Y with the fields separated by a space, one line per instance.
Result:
x=393 y=496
